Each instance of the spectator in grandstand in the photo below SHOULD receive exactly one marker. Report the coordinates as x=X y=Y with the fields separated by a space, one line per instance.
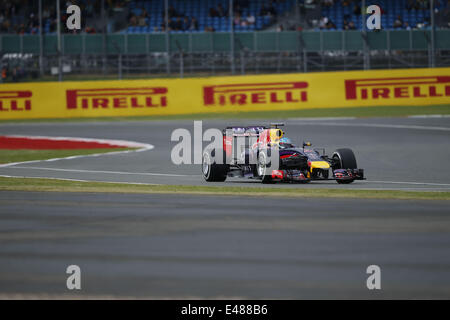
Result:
x=213 y=13
x=446 y=15
x=171 y=12
x=328 y=3
x=186 y=24
x=263 y=11
x=221 y=11
x=209 y=29
x=15 y=74
x=237 y=9
x=33 y=30
x=423 y=4
x=398 y=23
x=144 y=13
x=46 y=13
x=238 y=5
x=271 y=10
x=351 y=26
x=4 y=74
x=53 y=24
x=323 y=22
x=89 y=9
x=21 y=29
x=420 y=4
x=357 y=10
x=420 y=25
x=251 y=19
x=237 y=19
x=90 y=30
x=4 y=27
x=411 y=4
x=194 y=24
x=33 y=20
x=117 y=5
x=141 y=20
x=172 y=25
x=133 y=21
x=345 y=3
x=179 y=24
x=242 y=3
x=280 y=28
x=345 y=25
x=330 y=25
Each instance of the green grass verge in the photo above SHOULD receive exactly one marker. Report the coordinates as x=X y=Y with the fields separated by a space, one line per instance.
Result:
x=7 y=156
x=362 y=112
x=52 y=185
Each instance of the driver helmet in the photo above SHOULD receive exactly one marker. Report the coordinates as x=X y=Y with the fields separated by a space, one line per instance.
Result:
x=285 y=142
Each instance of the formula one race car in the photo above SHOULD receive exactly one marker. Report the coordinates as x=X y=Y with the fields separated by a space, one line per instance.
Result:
x=264 y=153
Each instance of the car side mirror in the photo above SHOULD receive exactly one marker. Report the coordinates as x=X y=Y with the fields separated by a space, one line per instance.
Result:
x=307 y=144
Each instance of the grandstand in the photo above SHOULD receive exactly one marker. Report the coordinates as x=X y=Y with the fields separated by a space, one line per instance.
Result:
x=410 y=14
x=207 y=15
x=132 y=38
x=147 y=16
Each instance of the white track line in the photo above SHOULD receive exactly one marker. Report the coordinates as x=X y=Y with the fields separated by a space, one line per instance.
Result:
x=13 y=164
x=392 y=126
x=156 y=184
x=108 y=172
x=429 y=116
x=405 y=189
x=413 y=183
x=324 y=118
x=78 y=180
x=180 y=175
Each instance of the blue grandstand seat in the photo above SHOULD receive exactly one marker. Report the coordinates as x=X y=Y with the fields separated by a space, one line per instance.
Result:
x=200 y=10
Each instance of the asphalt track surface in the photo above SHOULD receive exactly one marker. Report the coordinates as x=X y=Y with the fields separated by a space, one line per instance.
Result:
x=185 y=246
x=399 y=153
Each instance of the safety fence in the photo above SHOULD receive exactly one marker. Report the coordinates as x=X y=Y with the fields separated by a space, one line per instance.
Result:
x=129 y=56
x=288 y=41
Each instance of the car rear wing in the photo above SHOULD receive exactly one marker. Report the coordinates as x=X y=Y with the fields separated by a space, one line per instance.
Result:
x=250 y=130
x=244 y=131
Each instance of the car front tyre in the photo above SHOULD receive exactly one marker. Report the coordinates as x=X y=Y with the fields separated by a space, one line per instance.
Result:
x=345 y=159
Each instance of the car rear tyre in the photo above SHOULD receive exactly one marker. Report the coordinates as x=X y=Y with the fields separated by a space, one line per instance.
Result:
x=212 y=171
x=344 y=159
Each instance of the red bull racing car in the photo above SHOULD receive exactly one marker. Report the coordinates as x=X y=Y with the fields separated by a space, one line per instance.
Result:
x=265 y=153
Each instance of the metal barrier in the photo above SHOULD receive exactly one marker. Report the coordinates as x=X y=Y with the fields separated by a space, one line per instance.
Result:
x=143 y=55
x=290 y=41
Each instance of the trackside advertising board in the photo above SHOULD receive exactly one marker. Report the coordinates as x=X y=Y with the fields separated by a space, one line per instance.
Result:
x=410 y=87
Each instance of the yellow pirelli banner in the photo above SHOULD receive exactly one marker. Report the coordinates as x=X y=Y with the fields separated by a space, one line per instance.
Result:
x=410 y=87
